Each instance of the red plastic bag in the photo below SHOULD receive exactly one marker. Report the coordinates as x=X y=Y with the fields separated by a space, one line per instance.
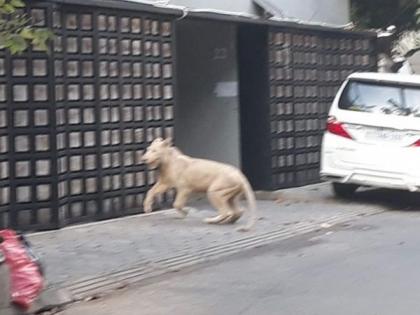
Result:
x=26 y=280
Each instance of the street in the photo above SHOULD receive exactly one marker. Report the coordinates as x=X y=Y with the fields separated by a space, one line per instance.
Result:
x=368 y=265
x=130 y=130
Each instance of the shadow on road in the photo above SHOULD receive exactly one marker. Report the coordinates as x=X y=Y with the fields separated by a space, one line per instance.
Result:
x=389 y=198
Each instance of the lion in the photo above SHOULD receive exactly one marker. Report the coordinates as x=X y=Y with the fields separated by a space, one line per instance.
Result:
x=224 y=184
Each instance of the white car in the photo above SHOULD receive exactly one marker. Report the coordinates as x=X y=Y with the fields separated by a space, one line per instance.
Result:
x=373 y=134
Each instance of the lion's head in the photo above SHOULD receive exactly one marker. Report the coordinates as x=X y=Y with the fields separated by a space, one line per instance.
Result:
x=156 y=152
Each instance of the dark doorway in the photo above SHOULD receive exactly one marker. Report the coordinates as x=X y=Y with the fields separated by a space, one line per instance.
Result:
x=254 y=104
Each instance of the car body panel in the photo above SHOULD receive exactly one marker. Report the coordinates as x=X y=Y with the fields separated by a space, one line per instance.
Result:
x=381 y=151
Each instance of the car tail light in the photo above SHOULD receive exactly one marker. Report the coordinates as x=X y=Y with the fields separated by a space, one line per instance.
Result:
x=416 y=144
x=337 y=128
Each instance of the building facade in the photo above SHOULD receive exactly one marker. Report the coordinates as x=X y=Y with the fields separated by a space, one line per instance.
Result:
x=74 y=123
x=334 y=12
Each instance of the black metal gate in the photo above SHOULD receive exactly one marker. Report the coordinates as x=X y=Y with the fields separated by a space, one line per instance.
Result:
x=74 y=122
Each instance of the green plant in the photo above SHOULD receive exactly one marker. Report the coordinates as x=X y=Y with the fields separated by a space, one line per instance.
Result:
x=16 y=31
x=403 y=14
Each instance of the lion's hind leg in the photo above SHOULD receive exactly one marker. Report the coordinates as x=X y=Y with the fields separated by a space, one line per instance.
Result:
x=221 y=204
x=237 y=210
x=220 y=199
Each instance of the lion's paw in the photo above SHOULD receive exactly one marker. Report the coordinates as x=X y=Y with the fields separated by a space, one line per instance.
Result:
x=147 y=208
x=182 y=213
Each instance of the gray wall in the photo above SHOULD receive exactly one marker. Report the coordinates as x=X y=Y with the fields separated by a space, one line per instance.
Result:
x=225 y=5
x=327 y=11
x=207 y=111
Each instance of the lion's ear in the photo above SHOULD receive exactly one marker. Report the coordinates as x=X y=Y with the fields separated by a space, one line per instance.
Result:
x=168 y=142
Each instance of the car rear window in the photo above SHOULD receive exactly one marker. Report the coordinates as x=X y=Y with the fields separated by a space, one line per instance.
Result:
x=378 y=98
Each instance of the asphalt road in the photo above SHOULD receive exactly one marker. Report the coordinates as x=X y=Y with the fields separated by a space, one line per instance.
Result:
x=369 y=266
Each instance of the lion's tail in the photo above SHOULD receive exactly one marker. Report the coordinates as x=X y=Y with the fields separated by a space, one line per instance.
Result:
x=252 y=206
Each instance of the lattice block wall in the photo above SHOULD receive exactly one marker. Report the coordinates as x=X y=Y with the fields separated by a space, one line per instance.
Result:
x=4 y=142
x=118 y=76
x=27 y=167
x=306 y=70
x=74 y=123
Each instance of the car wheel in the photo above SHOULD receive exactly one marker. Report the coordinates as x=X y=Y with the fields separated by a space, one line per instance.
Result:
x=344 y=190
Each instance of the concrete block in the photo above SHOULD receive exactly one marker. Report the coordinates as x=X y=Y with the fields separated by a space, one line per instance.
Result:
x=49 y=299
x=4 y=170
x=23 y=169
x=39 y=67
x=44 y=215
x=22 y=143
x=19 y=68
x=5 y=306
x=4 y=284
x=40 y=92
x=21 y=118
x=3 y=118
x=2 y=92
x=43 y=167
x=4 y=146
x=42 y=142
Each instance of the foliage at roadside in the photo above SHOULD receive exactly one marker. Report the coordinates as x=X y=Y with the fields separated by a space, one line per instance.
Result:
x=16 y=31
x=404 y=14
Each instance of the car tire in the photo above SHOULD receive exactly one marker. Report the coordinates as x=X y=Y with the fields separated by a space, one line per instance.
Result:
x=344 y=191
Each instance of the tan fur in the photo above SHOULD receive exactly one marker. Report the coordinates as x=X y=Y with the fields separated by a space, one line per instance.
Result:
x=224 y=184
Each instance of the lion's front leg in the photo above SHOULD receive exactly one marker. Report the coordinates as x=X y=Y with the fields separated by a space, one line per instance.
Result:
x=180 y=201
x=158 y=188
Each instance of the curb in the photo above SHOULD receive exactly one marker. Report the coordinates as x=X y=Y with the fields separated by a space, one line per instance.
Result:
x=260 y=195
x=88 y=288
x=267 y=195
